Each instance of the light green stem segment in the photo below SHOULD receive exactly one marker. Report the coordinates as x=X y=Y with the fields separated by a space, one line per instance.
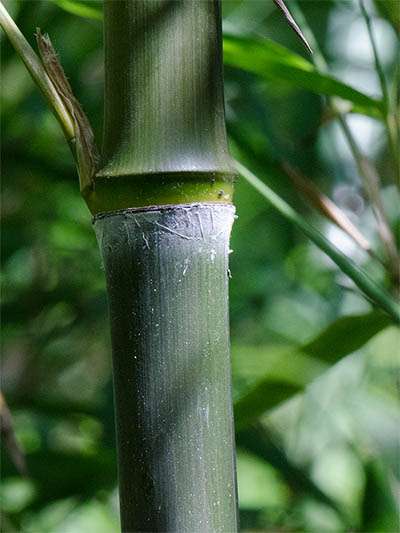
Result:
x=167 y=284
x=165 y=139
x=355 y=273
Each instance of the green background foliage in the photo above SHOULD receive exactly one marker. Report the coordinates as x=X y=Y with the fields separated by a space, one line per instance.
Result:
x=315 y=364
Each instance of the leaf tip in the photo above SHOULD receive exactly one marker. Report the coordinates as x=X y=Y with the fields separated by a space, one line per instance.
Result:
x=293 y=24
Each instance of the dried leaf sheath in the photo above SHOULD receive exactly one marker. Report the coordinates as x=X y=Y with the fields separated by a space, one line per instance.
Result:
x=85 y=148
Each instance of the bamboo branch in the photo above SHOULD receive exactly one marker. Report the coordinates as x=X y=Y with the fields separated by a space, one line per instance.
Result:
x=354 y=272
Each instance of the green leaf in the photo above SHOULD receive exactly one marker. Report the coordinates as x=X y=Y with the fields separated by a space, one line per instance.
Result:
x=339 y=339
x=274 y=62
x=390 y=10
x=263 y=396
x=363 y=281
x=81 y=9
x=58 y=474
x=260 y=441
x=379 y=506
x=345 y=336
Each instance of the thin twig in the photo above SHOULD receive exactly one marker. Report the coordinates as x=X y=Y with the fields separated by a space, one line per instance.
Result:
x=9 y=439
x=372 y=187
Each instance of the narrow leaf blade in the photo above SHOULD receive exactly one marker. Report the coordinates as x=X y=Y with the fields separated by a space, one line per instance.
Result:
x=339 y=339
x=263 y=396
x=345 y=336
x=274 y=62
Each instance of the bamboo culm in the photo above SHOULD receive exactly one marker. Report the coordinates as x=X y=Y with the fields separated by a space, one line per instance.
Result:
x=163 y=216
x=167 y=283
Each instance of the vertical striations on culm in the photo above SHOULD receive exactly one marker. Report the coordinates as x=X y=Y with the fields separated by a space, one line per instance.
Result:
x=167 y=281
x=164 y=107
x=164 y=129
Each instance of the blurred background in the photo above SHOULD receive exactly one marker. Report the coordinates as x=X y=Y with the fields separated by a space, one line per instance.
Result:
x=315 y=365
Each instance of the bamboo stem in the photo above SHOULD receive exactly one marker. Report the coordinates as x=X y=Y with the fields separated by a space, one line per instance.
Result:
x=163 y=217
x=166 y=271
x=165 y=139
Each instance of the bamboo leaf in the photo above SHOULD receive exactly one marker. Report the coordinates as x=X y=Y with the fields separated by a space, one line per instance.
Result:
x=274 y=62
x=367 y=285
x=390 y=10
x=263 y=396
x=80 y=9
x=345 y=336
x=338 y=340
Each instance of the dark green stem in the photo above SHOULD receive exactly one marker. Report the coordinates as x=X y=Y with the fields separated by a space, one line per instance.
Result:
x=167 y=279
x=165 y=139
x=163 y=218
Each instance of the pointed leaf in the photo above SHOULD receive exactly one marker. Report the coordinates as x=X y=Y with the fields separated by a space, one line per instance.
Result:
x=345 y=336
x=263 y=396
x=339 y=339
x=274 y=62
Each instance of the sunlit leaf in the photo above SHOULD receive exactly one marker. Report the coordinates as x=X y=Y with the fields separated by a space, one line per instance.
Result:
x=345 y=336
x=274 y=62
x=341 y=338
